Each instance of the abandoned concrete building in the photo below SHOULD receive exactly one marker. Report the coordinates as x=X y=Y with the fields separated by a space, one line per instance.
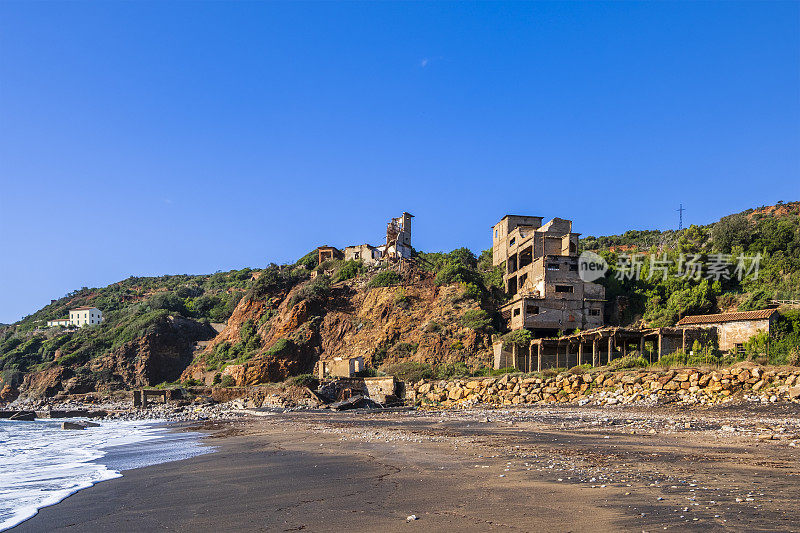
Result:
x=326 y=253
x=340 y=367
x=541 y=275
x=734 y=329
x=397 y=246
x=363 y=252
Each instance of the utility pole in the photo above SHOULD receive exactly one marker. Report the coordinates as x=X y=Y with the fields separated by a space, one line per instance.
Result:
x=680 y=211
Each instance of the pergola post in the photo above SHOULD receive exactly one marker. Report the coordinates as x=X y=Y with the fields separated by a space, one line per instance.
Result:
x=595 y=353
x=539 y=357
x=610 y=349
x=580 y=352
x=641 y=347
x=659 y=345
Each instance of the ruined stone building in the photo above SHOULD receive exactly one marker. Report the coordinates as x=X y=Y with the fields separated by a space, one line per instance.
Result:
x=397 y=245
x=541 y=275
x=734 y=329
x=326 y=253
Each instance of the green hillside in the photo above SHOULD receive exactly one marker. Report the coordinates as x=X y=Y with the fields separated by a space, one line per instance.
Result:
x=130 y=307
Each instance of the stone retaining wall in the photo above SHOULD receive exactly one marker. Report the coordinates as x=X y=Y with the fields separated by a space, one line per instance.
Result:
x=686 y=385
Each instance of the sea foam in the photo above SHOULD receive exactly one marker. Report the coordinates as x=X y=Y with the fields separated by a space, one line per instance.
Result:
x=41 y=464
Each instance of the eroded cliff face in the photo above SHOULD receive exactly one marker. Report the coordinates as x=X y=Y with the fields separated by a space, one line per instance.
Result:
x=416 y=321
x=160 y=355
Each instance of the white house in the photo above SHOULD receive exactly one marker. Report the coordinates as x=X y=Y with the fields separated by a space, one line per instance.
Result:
x=85 y=316
x=58 y=322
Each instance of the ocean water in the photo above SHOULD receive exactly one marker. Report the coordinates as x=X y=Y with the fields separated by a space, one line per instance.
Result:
x=41 y=464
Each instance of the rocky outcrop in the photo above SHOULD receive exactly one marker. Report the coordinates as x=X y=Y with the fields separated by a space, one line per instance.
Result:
x=685 y=386
x=160 y=355
x=417 y=321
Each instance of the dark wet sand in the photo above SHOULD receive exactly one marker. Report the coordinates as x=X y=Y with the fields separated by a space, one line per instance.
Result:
x=545 y=469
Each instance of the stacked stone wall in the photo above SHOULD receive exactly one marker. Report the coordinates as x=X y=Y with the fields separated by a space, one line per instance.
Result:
x=685 y=385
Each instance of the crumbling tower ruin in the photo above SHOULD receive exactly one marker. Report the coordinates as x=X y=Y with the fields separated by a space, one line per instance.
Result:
x=398 y=237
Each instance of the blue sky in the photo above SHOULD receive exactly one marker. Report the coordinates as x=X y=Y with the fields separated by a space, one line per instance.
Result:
x=163 y=138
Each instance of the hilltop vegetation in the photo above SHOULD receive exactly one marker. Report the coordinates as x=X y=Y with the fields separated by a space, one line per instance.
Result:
x=770 y=236
x=132 y=309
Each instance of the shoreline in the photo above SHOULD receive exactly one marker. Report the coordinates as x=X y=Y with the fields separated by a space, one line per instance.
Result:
x=553 y=468
x=92 y=456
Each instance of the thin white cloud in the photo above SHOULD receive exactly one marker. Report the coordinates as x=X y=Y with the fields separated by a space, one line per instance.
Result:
x=425 y=61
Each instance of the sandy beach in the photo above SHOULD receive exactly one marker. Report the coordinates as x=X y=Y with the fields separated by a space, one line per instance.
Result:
x=551 y=469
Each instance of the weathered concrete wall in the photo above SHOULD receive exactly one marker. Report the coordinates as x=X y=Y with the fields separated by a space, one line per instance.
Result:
x=732 y=333
x=362 y=252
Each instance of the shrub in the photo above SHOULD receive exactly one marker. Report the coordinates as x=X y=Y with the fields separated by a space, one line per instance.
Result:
x=476 y=319
x=314 y=290
x=309 y=260
x=580 y=369
x=432 y=327
x=401 y=299
x=757 y=344
x=227 y=381
x=385 y=278
x=168 y=301
x=629 y=361
x=379 y=355
x=409 y=371
x=451 y=370
x=457 y=346
x=520 y=337
x=281 y=346
x=303 y=380
x=405 y=349
x=349 y=270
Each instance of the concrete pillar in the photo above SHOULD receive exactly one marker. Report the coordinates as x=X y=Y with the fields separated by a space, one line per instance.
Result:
x=538 y=357
x=514 y=356
x=595 y=353
x=659 y=345
x=528 y=358
x=641 y=346
x=610 y=349
x=566 y=356
x=580 y=352
x=683 y=340
x=557 y=343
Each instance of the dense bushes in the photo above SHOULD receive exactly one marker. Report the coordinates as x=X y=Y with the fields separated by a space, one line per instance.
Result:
x=384 y=278
x=349 y=270
x=409 y=371
x=520 y=337
x=314 y=290
x=476 y=319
